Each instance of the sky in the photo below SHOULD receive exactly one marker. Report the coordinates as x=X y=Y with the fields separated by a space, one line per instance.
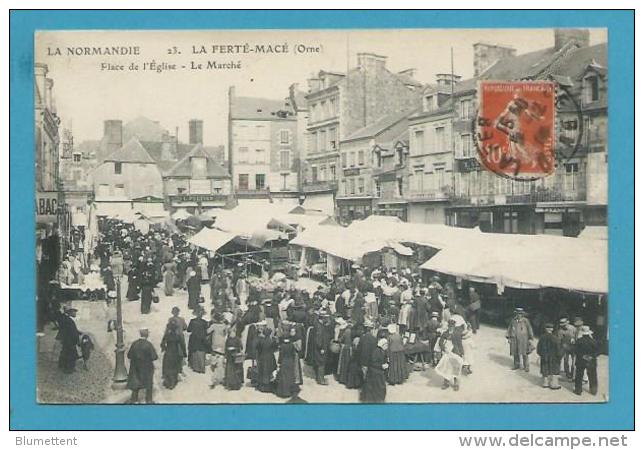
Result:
x=87 y=91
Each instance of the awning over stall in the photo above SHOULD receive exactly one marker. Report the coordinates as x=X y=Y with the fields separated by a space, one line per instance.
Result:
x=211 y=239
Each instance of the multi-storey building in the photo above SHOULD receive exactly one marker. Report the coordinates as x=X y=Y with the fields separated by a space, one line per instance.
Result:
x=340 y=104
x=575 y=195
x=390 y=178
x=431 y=154
x=263 y=152
x=360 y=161
x=49 y=205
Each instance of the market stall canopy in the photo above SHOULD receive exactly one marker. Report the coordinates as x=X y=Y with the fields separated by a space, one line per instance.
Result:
x=244 y=220
x=528 y=262
x=181 y=214
x=211 y=239
x=259 y=238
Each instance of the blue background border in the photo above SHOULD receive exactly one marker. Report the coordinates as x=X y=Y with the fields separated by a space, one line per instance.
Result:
x=618 y=413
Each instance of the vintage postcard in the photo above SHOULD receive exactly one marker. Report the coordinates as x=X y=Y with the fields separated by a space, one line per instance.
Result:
x=322 y=216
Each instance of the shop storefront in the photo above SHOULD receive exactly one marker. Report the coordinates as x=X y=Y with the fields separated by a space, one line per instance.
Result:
x=350 y=209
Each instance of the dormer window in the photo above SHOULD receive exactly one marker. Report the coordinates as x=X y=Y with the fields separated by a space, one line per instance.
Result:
x=429 y=103
x=591 y=89
x=76 y=157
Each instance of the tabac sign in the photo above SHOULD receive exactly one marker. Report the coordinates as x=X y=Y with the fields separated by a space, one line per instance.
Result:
x=46 y=207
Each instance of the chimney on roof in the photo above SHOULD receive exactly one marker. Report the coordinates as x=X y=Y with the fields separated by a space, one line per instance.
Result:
x=371 y=61
x=113 y=135
x=195 y=127
x=565 y=35
x=486 y=54
x=447 y=79
x=315 y=84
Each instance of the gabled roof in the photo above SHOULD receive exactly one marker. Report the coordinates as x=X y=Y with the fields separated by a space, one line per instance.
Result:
x=384 y=129
x=445 y=108
x=131 y=152
x=183 y=167
x=254 y=108
x=576 y=64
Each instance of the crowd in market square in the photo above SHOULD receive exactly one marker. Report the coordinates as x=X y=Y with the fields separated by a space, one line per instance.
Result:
x=368 y=329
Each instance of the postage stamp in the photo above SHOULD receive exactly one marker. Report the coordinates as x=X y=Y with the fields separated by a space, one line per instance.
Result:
x=516 y=128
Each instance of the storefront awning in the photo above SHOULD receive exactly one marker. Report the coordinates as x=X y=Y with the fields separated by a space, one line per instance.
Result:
x=211 y=239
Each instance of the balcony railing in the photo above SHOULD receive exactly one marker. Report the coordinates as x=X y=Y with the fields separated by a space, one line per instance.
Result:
x=319 y=186
x=542 y=195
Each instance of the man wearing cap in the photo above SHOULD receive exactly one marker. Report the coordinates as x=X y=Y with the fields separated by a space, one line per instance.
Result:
x=142 y=356
x=69 y=337
x=549 y=350
x=519 y=336
x=566 y=335
x=586 y=352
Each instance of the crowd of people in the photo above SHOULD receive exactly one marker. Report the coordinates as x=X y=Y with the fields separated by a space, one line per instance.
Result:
x=368 y=330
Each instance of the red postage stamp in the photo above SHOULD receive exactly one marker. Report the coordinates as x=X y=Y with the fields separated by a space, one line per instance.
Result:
x=515 y=133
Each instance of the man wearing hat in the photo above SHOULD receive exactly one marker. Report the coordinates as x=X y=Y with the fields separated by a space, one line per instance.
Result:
x=566 y=335
x=366 y=345
x=69 y=337
x=586 y=352
x=141 y=376
x=318 y=347
x=519 y=336
x=549 y=350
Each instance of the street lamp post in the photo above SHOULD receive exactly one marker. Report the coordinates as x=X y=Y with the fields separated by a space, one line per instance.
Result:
x=119 y=379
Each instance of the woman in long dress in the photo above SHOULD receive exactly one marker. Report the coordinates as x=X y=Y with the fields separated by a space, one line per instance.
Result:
x=169 y=269
x=398 y=367
x=344 y=360
x=234 y=378
x=375 y=386
x=194 y=289
x=355 y=377
x=286 y=382
x=132 y=285
x=198 y=342
x=174 y=350
x=266 y=364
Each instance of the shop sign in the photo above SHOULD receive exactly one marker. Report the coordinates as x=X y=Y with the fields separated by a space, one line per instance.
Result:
x=197 y=198
x=468 y=165
x=46 y=207
x=352 y=172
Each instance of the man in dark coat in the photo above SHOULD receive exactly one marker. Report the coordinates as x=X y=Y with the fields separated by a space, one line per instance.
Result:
x=520 y=335
x=142 y=356
x=550 y=352
x=319 y=346
x=586 y=351
x=69 y=337
x=366 y=346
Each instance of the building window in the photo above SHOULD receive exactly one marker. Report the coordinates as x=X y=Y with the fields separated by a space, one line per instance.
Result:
x=260 y=181
x=314 y=173
x=419 y=142
x=285 y=137
x=260 y=132
x=510 y=222
x=314 y=142
x=322 y=141
x=260 y=156
x=399 y=186
x=243 y=154
x=591 y=89
x=333 y=139
x=77 y=157
x=243 y=181
x=352 y=159
x=571 y=178
x=361 y=158
x=418 y=180
x=118 y=168
x=344 y=159
x=466 y=109
x=360 y=185
x=332 y=171
x=324 y=110
x=466 y=145
x=343 y=187
x=439 y=136
x=284 y=181
x=377 y=189
x=322 y=173
x=428 y=103
x=285 y=160
x=401 y=155
x=352 y=186
x=439 y=173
